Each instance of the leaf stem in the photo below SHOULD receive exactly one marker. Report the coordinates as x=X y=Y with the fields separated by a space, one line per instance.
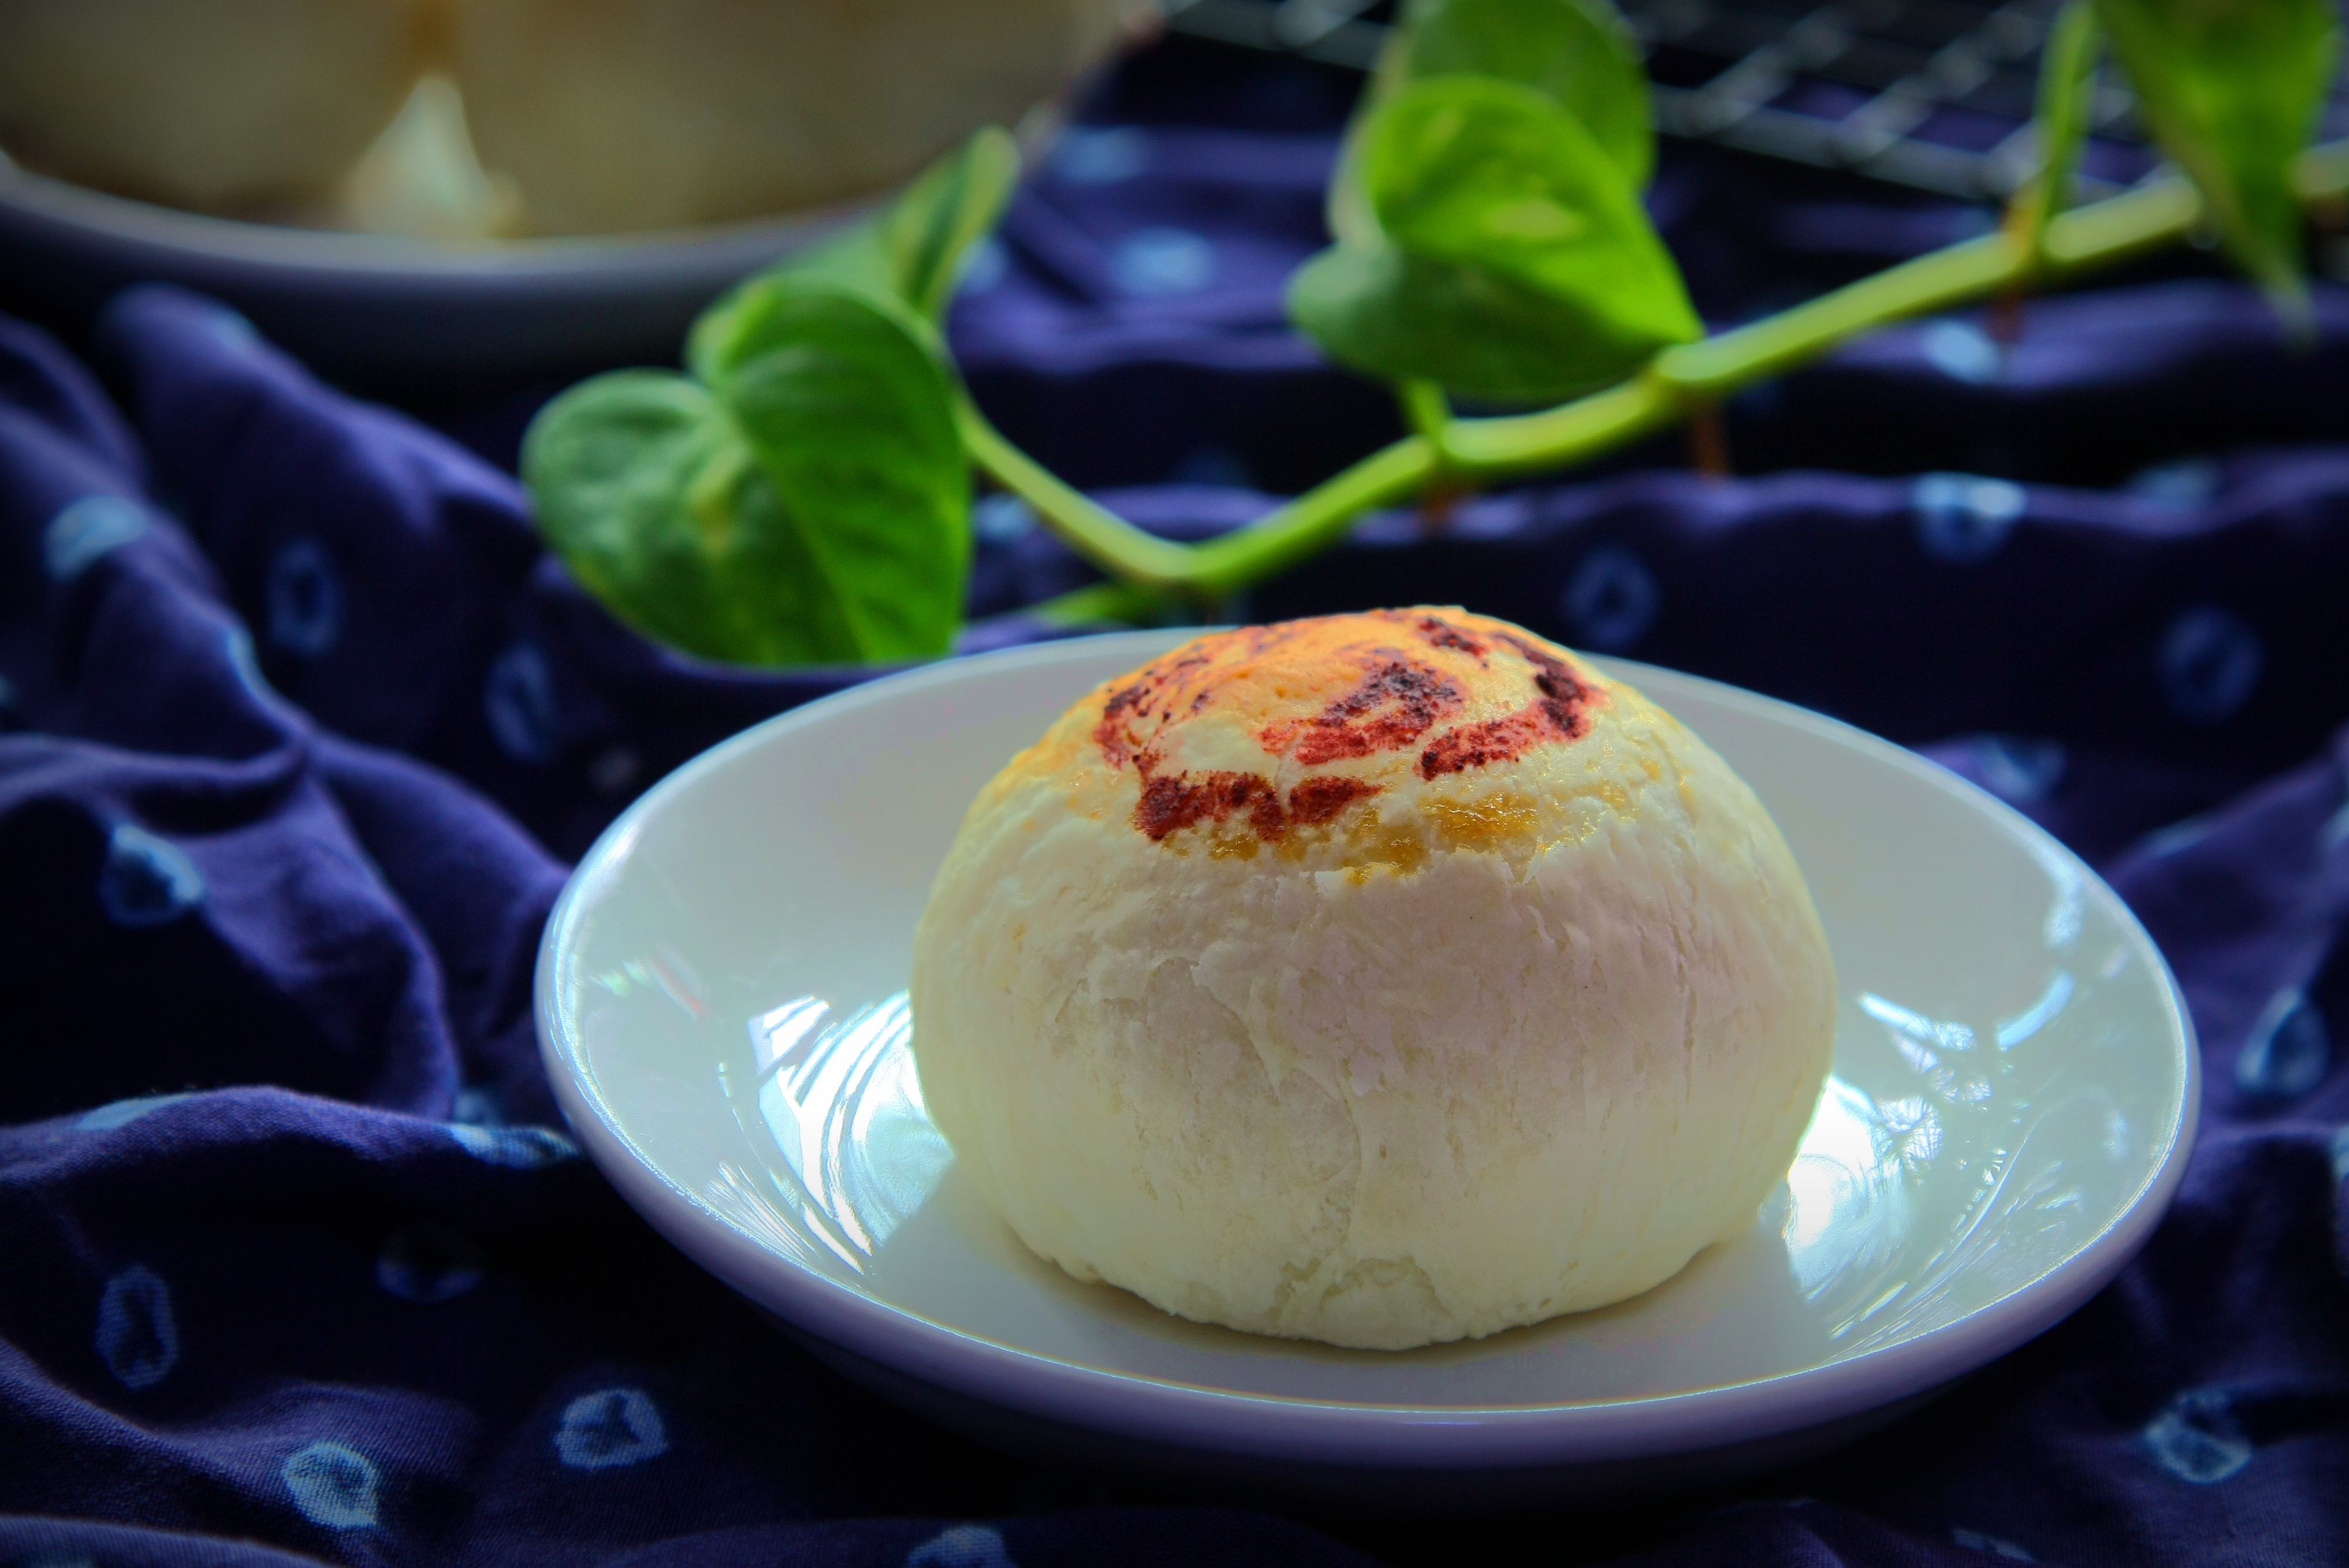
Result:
x=1426 y=410
x=2067 y=89
x=1313 y=521
x=2101 y=234
x=1087 y=527
x=1098 y=601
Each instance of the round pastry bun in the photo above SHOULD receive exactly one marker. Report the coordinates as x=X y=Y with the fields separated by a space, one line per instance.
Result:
x=599 y=116
x=643 y=114
x=1381 y=979
x=217 y=104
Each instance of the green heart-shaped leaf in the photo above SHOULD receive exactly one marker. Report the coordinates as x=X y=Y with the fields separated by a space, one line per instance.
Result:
x=2232 y=89
x=813 y=509
x=1464 y=328
x=1578 y=53
x=1510 y=258
x=930 y=230
x=848 y=408
x=653 y=501
x=912 y=250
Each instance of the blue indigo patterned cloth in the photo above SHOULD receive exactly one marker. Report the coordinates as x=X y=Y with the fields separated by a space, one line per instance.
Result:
x=300 y=726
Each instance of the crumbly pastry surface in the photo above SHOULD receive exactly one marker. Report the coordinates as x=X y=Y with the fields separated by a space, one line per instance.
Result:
x=615 y=114
x=218 y=105
x=1380 y=979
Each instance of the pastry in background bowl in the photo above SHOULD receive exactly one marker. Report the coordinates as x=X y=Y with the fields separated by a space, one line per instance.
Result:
x=1380 y=979
x=524 y=117
x=228 y=106
x=638 y=113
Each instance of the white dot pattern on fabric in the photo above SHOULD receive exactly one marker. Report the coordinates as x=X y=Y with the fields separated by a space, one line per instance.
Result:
x=520 y=702
x=333 y=1485
x=478 y=1106
x=1099 y=155
x=1217 y=466
x=233 y=330
x=1975 y=1540
x=237 y=644
x=123 y=1112
x=2197 y=1438
x=87 y=530
x=516 y=1148
x=1163 y=262
x=2016 y=769
x=610 y=1427
x=962 y=1546
x=137 y=1338
x=2289 y=1050
x=304 y=597
x=1001 y=519
x=1961 y=351
x=2187 y=482
x=2178 y=837
x=146 y=881
x=984 y=265
x=1964 y=517
x=2209 y=662
x=614 y=769
x=1612 y=599
x=427 y=1264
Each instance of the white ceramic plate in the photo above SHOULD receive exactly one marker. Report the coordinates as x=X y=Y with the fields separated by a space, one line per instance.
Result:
x=721 y=1000
x=390 y=314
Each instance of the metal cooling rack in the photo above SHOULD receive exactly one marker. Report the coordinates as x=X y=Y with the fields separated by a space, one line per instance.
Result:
x=1932 y=94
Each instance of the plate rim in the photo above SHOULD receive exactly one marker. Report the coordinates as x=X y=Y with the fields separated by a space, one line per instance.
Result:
x=89 y=214
x=1355 y=1433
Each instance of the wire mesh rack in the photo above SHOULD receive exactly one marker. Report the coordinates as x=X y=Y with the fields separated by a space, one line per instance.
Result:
x=1932 y=94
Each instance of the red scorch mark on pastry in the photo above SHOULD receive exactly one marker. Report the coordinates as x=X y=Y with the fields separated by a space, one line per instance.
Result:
x=1443 y=633
x=1152 y=695
x=1560 y=710
x=1396 y=702
x=1320 y=799
x=1390 y=708
x=1173 y=801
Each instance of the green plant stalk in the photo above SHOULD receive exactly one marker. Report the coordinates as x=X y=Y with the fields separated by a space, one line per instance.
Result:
x=2068 y=86
x=1083 y=524
x=2084 y=239
x=1098 y=601
x=1425 y=409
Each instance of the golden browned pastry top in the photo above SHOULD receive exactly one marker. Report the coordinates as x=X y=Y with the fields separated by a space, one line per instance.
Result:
x=1289 y=724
